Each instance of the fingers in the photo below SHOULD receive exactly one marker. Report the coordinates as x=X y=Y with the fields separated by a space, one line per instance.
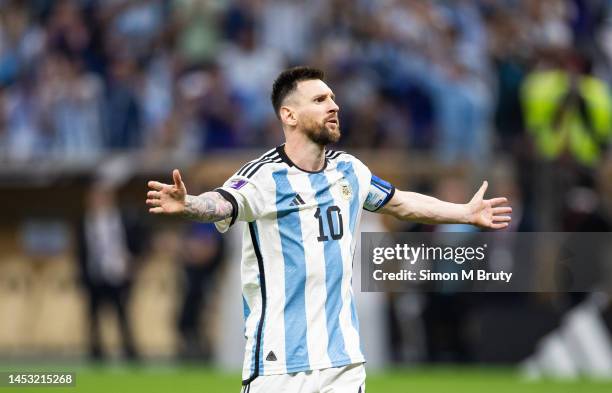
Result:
x=500 y=222
x=498 y=201
x=153 y=202
x=481 y=191
x=158 y=190
x=499 y=226
x=157 y=185
x=502 y=210
x=176 y=175
x=153 y=197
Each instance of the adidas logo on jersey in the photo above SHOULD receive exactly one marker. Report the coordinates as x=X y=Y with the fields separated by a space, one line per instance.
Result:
x=297 y=200
x=271 y=357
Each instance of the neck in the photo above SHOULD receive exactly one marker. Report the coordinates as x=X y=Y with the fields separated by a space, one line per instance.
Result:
x=305 y=153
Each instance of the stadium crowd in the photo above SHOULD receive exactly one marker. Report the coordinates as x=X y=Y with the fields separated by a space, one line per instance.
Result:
x=82 y=77
x=461 y=80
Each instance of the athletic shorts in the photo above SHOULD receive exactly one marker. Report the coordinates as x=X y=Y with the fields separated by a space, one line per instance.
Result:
x=346 y=379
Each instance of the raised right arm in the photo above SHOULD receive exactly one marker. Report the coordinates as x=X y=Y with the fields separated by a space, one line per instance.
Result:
x=172 y=199
x=207 y=207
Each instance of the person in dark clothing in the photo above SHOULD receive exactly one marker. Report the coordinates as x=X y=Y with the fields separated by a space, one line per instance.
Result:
x=123 y=112
x=106 y=246
x=201 y=256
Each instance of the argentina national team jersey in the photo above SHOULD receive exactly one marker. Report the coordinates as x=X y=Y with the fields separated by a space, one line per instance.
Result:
x=297 y=257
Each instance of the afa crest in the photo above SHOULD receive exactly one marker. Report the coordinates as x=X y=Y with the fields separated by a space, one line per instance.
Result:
x=345 y=189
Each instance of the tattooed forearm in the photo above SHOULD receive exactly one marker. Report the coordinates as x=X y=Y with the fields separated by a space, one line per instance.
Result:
x=207 y=207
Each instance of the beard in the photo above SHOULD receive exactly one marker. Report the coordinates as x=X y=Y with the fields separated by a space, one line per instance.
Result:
x=321 y=134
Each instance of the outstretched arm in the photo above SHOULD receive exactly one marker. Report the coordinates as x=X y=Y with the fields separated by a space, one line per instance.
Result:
x=483 y=213
x=172 y=199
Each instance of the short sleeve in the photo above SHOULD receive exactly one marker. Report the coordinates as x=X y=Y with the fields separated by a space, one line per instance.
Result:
x=379 y=193
x=246 y=197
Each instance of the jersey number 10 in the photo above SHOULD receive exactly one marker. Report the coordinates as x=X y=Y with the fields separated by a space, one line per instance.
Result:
x=335 y=233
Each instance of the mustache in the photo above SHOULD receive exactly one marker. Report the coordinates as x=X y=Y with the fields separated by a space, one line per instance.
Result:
x=332 y=117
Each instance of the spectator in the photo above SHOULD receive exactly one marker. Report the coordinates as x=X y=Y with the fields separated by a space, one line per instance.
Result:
x=70 y=102
x=201 y=257
x=107 y=244
x=123 y=110
x=250 y=69
x=199 y=34
x=568 y=110
x=21 y=42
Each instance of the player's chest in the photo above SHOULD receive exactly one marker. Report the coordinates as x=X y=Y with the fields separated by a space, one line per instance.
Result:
x=316 y=206
x=298 y=192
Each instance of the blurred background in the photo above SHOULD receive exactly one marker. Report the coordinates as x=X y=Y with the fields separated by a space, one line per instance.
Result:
x=97 y=97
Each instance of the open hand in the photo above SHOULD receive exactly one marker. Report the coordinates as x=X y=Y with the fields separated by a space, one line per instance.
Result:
x=167 y=198
x=488 y=213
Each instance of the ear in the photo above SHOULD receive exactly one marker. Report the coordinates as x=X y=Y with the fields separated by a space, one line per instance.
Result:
x=288 y=116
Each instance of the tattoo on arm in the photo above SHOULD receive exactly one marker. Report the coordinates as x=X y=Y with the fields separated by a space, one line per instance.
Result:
x=207 y=207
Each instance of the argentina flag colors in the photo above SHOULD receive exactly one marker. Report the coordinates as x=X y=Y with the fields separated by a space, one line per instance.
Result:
x=297 y=257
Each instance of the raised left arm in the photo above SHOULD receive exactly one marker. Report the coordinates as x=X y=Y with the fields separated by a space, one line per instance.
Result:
x=483 y=213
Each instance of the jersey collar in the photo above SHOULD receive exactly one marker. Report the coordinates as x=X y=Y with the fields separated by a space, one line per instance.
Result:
x=281 y=151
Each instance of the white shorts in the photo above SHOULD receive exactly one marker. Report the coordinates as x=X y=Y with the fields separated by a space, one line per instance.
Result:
x=346 y=379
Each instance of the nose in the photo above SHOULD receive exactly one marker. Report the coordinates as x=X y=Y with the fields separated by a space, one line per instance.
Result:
x=334 y=107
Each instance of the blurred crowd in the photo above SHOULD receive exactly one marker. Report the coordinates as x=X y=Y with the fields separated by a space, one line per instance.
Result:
x=79 y=78
x=461 y=80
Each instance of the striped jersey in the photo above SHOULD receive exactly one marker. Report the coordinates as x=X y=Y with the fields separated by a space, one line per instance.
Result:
x=297 y=257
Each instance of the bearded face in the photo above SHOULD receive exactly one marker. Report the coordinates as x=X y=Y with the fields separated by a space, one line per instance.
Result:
x=315 y=113
x=324 y=131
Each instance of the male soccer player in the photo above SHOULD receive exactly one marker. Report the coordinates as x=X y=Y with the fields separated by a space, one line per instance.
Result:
x=303 y=204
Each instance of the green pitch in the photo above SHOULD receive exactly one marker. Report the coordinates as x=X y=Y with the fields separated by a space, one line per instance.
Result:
x=194 y=379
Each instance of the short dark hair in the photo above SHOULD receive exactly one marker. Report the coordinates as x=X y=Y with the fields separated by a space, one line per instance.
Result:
x=287 y=82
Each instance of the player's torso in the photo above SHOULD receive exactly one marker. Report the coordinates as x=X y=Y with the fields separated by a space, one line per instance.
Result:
x=321 y=201
x=306 y=240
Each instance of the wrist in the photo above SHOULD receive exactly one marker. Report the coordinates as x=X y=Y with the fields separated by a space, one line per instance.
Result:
x=187 y=205
x=467 y=217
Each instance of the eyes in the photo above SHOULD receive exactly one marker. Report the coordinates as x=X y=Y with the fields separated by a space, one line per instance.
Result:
x=321 y=99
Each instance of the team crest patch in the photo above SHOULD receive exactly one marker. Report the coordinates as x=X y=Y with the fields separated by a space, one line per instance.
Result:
x=237 y=184
x=345 y=189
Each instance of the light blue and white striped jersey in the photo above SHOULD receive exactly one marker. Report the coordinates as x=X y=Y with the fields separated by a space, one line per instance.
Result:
x=297 y=258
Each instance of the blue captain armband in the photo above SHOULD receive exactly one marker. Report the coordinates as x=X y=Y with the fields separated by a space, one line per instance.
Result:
x=379 y=194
